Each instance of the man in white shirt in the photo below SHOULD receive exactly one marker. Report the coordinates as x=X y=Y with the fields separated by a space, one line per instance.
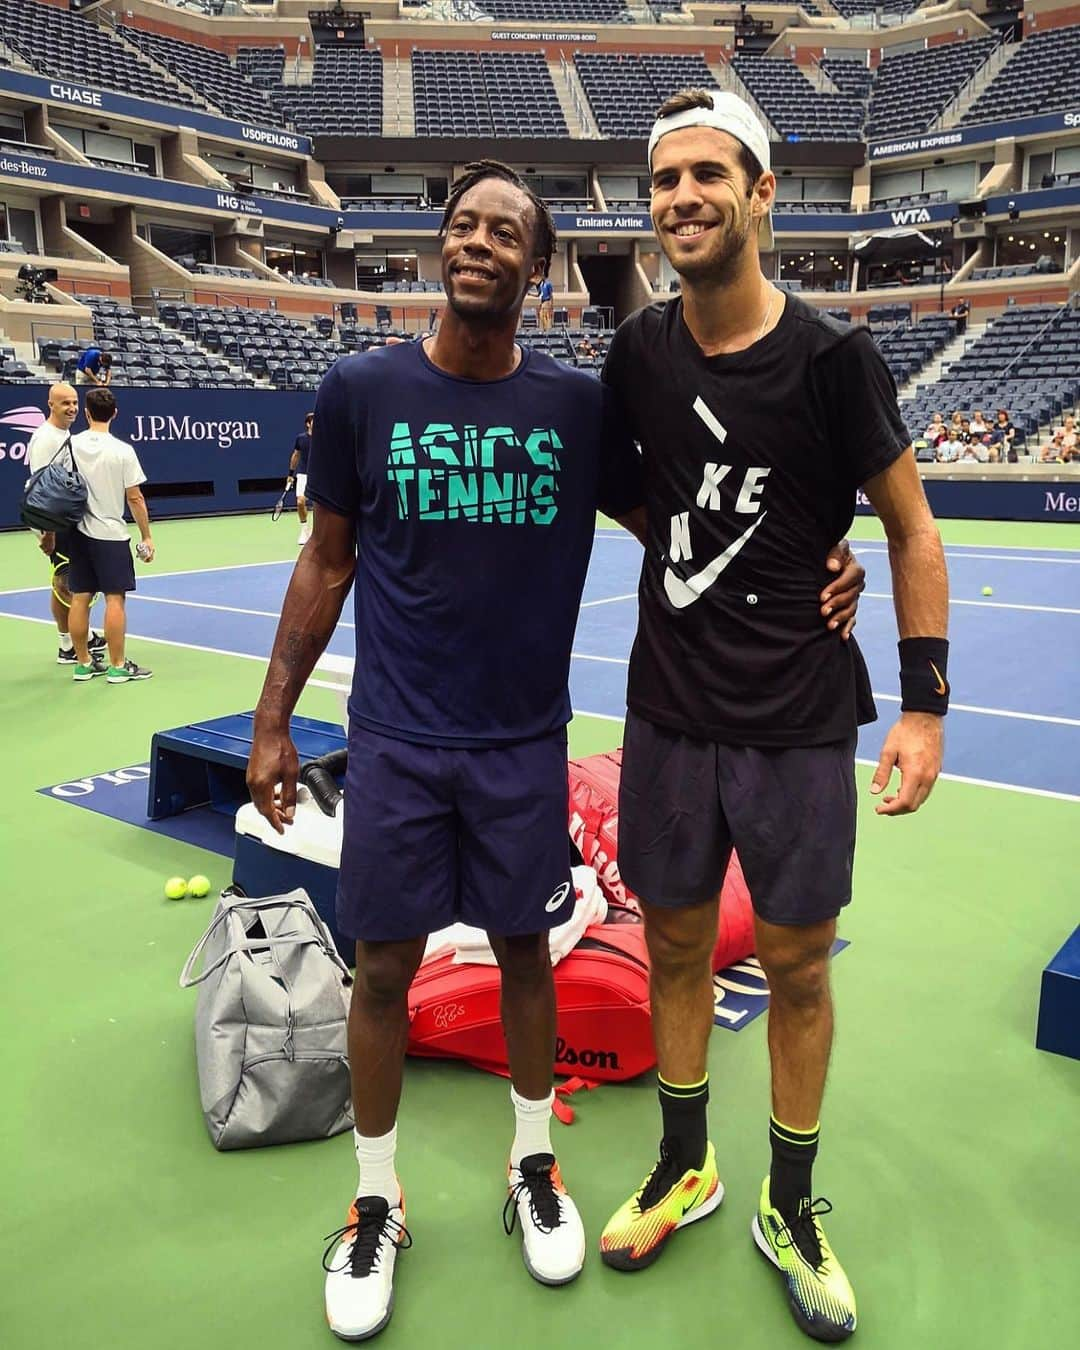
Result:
x=101 y=546
x=43 y=446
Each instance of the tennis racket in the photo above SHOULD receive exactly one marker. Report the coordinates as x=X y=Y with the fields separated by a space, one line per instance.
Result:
x=279 y=505
x=59 y=582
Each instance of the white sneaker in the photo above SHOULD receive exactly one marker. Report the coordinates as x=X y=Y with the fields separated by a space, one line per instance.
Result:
x=553 y=1234
x=360 y=1271
x=304 y=535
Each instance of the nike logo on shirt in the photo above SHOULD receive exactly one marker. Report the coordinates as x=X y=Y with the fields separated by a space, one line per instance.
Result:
x=684 y=592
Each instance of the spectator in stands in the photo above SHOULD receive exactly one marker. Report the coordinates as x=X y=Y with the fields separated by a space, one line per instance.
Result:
x=546 y=291
x=44 y=446
x=955 y=425
x=586 y=350
x=965 y=437
x=1054 y=451
x=974 y=451
x=937 y=431
x=101 y=546
x=978 y=427
x=960 y=312
x=1002 y=435
x=1069 y=438
x=948 y=450
x=94 y=367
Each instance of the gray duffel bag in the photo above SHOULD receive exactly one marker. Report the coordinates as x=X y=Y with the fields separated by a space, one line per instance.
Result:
x=270 y=1023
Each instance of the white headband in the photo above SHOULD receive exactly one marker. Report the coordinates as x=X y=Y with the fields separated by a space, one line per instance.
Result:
x=729 y=113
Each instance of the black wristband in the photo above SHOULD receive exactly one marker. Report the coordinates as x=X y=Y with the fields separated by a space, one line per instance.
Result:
x=924 y=674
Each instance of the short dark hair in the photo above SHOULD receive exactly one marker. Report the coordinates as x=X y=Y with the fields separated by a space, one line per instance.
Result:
x=106 y=359
x=101 y=405
x=544 y=234
x=686 y=99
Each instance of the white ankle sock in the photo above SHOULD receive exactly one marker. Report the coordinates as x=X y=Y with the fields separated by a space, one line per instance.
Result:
x=375 y=1158
x=66 y=642
x=533 y=1133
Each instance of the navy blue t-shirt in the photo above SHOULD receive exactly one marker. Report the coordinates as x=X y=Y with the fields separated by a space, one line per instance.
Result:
x=90 y=359
x=475 y=506
x=302 y=447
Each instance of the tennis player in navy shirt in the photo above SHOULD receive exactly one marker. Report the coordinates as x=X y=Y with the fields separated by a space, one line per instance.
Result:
x=458 y=478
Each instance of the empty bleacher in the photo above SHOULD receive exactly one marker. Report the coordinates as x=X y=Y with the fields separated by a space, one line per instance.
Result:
x=557 y=11
x=61 y=44
x=852 y=9
x=144 y=353
x=794 y=106
x=625 y=90
x=264 y=66
x=209 y=72
x=907 y=348
x=912 y=90
x=345 y=97
x=1027 y=361
x=1043 y=75
x=485 y=94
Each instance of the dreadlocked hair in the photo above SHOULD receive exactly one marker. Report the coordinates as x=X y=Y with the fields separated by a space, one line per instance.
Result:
x=544 y=232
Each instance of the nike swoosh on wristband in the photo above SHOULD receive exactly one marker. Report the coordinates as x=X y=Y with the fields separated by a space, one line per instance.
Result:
x=558 y=899
x=682 y=593
x=942 y=687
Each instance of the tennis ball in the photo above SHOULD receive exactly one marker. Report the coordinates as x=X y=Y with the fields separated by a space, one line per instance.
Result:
x=988 y=590
x=198 y=886
x=175 y=888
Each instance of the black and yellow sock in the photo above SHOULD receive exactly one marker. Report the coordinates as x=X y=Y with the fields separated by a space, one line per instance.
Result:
x=686 y=1125
x=793 y=1154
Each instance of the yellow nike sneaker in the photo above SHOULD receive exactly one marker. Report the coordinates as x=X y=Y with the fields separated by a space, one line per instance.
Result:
x=821 y=1298
x=668 y=1199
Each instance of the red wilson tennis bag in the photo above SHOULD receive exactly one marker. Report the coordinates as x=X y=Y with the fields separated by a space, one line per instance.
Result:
x=602 y=1026
x=603 y=1020
x=594 y=820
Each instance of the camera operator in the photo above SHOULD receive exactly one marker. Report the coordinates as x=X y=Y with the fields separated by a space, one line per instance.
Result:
x=94 y=367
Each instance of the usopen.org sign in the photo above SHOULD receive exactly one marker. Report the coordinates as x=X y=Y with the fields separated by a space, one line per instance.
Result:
x=17 y=425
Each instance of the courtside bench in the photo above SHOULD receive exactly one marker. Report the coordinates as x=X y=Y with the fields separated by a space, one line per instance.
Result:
x=205 y=763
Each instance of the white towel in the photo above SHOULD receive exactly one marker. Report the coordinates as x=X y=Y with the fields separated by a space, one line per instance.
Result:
x=471 y=946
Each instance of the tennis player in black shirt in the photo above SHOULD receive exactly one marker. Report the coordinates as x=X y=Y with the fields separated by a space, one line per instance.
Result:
x=759 y=418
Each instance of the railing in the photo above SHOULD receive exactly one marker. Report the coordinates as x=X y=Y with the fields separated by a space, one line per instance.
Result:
x=1051 y=321
x=978 y=82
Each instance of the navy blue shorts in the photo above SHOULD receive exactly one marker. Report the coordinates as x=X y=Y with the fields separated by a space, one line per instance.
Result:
x=789 y=812
x=104 y=565
x=435 y=836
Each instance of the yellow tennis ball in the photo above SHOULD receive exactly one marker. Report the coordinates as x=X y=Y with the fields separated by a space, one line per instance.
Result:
x=175 y=888
x=199 y=886
x=988 y=590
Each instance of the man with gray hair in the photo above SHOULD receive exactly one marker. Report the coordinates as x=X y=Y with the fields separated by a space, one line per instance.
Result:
x=759 y=418
x=45 y=445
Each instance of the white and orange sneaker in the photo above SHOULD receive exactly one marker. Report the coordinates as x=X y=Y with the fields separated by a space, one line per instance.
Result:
x=553 y=1235
x=359 y=1265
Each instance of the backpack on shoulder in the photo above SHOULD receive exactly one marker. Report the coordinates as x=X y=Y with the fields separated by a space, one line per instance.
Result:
x=55 y=496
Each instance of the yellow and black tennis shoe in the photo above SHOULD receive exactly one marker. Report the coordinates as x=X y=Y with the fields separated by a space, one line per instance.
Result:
x=670 y=1198
x=821 y=1298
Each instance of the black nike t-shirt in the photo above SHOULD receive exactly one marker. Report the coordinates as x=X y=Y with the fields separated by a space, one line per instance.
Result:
x=751 y=465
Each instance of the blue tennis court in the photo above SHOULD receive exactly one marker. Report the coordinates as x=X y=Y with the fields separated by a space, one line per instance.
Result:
x=1010 y=721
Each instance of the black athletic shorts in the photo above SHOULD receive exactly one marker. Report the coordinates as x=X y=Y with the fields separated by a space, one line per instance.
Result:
x=61 y=554
x=104 y=565
x=789 y=812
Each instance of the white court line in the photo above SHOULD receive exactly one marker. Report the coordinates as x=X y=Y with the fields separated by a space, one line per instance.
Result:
x=160 y=576
x=578 y=712
x=225 y=609
x=948 y=777
x=984 y=604
x=859 y=550
x=609 y=600
x=996 y=712
x=894 y=698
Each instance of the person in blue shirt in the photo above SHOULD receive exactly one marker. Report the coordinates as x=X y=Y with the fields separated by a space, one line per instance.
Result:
x=298 y=472
x=93 y=367
x=546 y=291
x=457 y=479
